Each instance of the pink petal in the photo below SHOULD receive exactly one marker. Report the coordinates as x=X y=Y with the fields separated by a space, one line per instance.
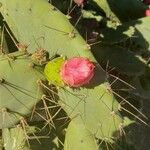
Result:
x=77 y=71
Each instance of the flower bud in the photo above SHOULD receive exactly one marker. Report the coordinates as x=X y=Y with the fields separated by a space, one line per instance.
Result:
x=79 y=2
x=147 y=12
x=77 y=71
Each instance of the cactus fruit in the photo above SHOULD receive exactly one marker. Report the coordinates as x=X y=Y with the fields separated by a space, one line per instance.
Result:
x=77 y=71
x=79 y=2
x=147 y=12
x=52 y=71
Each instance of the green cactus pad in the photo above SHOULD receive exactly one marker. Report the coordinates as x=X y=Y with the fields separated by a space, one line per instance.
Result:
x=122 y=10
x=15 y=139
x=96 y=108
x=143 y=32
x=78 y=137
x=137 y=31
x=19 y=88
x=129 y=63
x=41 y=24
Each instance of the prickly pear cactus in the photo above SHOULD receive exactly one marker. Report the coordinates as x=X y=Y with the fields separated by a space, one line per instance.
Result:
x=75 y=140
x=93 y=108
x=48 y=28
x=19 y=87
x=97 y=110
x=15 y=139
x=95 y=104
x=122 y=11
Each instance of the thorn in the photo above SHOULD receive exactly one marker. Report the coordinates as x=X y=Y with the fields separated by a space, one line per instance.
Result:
x=31 y=65
x=54 y=8
x=2 y=80
x=119 y=107
x=88 y=47
x=22 y=47
x=112 y=113
x=68 y=17
x=43 y=96
x=72 y=34
x=39 y=82
x=4 y=110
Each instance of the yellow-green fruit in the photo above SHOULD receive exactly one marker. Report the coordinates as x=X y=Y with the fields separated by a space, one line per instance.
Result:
x=52 y=71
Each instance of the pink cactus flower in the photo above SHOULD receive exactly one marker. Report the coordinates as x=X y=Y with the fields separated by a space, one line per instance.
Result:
x=79 y=2
x=147 y=12
x=147 y=2
x=77 y=71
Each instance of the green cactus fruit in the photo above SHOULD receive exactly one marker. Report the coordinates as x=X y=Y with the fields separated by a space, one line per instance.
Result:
x=19 y=88
x=52 y=71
